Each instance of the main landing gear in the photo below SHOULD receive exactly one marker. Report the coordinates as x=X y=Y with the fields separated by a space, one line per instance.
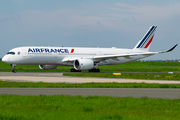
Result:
x=74 y=70
x=94 y=70
x=14 y=70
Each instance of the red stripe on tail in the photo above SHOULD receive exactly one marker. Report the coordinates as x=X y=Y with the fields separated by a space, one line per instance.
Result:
x=149 y=42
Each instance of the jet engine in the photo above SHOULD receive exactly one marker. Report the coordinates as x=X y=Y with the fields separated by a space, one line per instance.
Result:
x=83 y=64
x=47 y=67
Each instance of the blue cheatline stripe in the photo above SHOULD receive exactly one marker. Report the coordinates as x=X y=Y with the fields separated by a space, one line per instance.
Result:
x=146 y=36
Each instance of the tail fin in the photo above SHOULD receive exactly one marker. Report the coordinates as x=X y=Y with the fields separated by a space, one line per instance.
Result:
x=145 y=42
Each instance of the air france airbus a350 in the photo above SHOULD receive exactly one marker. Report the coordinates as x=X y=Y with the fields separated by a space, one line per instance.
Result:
x=80 y=58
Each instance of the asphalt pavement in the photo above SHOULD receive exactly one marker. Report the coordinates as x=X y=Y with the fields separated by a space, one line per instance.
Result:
x=113 y=92
x=59 y=78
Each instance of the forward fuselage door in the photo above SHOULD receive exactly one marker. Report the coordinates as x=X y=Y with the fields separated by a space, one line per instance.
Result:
x=24 y=53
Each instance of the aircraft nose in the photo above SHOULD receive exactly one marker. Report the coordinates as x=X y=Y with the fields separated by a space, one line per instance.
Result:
x=5 y=59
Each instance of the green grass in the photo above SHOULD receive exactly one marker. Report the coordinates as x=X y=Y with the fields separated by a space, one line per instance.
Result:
x=4 y=67
x=86 y=85
x=128 y=67
x=14 y=107
x=152 y=76
x=142 y=67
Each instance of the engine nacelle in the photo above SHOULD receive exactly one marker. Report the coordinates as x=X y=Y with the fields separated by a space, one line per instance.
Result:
x=83 y=64
x=47 y=67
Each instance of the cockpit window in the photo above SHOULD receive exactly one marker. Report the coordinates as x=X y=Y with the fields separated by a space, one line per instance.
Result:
x=11 y=53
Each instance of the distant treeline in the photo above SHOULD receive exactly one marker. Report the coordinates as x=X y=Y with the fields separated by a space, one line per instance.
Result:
x=0 y=59
x=177 y=60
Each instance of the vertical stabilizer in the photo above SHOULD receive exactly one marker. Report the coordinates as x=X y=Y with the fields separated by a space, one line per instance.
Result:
x=145 y=42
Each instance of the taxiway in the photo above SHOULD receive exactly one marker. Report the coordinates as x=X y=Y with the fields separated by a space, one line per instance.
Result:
x=59 y=78
x=113 y=92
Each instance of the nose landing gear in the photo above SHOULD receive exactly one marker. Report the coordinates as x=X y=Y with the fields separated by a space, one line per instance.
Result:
x=14 y=70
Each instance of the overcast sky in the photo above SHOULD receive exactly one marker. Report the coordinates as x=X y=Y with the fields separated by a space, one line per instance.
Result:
x=89 y=23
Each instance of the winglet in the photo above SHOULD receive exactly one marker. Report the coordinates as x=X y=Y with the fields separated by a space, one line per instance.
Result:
x=172 y=48
x=169 y=49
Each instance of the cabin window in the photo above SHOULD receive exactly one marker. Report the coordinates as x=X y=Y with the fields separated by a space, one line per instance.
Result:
x=11 y=53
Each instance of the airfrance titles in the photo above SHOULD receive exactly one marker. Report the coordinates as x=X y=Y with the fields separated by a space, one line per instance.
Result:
x=47 y=50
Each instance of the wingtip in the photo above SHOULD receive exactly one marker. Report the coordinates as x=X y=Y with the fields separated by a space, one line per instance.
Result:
x=172 y=48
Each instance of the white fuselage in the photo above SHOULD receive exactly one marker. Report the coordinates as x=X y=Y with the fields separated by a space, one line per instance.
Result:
x=55 y=55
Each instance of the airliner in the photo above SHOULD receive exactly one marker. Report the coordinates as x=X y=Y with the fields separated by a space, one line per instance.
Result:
x=80 y=58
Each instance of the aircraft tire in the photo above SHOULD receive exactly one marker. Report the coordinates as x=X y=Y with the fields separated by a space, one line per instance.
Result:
x=74 y=70
x=94 y=70
x=14 y=70
x=97 y=70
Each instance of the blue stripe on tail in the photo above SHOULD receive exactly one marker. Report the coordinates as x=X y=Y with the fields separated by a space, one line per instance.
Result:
x=147 y=36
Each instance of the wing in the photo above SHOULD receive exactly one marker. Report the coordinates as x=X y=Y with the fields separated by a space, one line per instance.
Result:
x=132 y=54
x=105 y=57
